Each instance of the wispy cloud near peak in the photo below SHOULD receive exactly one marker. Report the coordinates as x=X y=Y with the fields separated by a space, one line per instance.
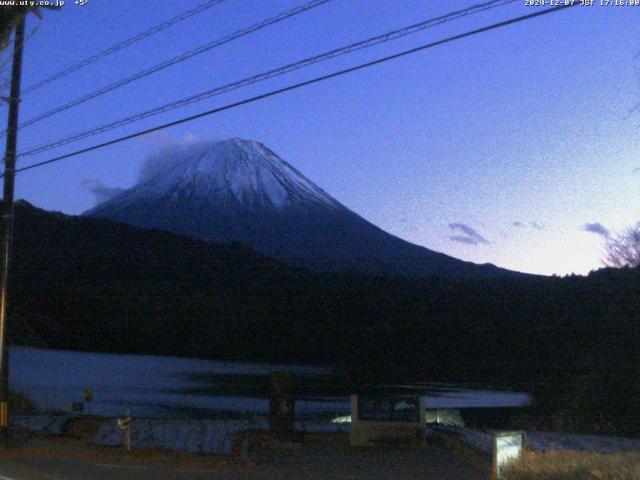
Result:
x=469 y=236
x=596 y=228
x=101 y=191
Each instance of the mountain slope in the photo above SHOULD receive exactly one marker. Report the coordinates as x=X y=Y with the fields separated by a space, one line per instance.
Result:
x=239 y=190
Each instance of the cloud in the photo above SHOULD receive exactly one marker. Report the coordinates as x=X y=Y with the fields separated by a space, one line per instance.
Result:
x=167 y=152
x=470 y=236
x=101 y=191
x=162 y=139
x=168 y=156
x=537 y=225
x=463 y=239
x=159 y=138
x=189 y=139
x=596 y=228
x=160 y=162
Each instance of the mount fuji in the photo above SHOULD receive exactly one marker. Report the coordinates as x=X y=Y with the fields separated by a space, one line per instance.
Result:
x=240 y=190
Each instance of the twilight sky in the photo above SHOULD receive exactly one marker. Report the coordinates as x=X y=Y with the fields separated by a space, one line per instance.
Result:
x=516 y=147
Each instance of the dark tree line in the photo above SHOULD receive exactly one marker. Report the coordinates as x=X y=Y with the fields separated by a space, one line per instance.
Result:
x=95 y=285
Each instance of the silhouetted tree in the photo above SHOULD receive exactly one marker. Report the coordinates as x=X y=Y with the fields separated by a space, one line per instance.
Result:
x=623 y=250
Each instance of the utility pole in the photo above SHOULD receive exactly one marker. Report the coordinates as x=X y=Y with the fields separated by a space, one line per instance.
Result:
x=6 y=222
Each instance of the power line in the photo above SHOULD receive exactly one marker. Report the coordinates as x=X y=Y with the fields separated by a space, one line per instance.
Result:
x=296 y=86
x=5 y=63
x=33 y=31
x=180 y=58
x=124 y=44
x=370 y=42
x=5 y=82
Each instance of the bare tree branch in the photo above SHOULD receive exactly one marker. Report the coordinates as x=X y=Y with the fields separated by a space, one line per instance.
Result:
x=623 y=250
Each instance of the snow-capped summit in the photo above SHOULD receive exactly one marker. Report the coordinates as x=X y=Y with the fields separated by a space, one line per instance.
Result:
x=237 y=174
x=240 y=190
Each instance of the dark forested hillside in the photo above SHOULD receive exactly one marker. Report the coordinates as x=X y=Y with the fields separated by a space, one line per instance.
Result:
x=93 y=284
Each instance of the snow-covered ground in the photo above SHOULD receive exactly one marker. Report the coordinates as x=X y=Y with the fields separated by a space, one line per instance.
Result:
x=197 y=436
x=183 y=435
x=152 y=386
x=52 y=424
x=219 y=436
x=210 y=436
x=545 y=441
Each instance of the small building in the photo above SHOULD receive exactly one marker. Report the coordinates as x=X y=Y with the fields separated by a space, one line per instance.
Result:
x=401 y=413
x=380 y=418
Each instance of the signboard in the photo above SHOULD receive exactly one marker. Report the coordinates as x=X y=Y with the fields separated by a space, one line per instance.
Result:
x=124 y=424
x=507 y=448
x=281 y=404
x=389 y=408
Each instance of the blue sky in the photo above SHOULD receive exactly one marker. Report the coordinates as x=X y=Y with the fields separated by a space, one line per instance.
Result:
x=497 y=148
